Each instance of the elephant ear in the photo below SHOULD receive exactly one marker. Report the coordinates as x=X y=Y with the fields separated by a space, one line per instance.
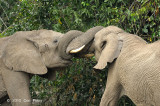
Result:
x=21 y=53
x=111 y=49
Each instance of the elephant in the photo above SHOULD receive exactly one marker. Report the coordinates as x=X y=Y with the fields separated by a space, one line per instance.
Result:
x=40 y=52
x=133 y=67
x=24 y=54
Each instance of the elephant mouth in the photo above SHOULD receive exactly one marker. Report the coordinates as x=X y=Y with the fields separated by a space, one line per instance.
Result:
x=62 y=63
x=65 y=62
x=83 y=51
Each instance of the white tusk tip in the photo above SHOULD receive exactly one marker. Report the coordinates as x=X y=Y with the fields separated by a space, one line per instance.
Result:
x=77 y=50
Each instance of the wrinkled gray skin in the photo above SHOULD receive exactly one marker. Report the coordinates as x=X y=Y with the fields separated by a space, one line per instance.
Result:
x=41 y=52
x=75 y=39
x=135 y=72
x=26 y=53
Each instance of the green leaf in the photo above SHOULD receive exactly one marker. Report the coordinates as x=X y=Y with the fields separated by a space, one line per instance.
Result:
x=145 y=30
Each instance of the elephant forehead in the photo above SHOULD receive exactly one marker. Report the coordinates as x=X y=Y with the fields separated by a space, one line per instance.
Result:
x=50 y=33
x=100 y=33
x=108 y=30
x=113 y=29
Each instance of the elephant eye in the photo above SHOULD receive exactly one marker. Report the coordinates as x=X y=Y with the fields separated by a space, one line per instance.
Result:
x=55 y=41
x=103 y=44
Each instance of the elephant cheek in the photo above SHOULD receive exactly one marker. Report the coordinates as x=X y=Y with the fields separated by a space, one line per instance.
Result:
x=47 y=58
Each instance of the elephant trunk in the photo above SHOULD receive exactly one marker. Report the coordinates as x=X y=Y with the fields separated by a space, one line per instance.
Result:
x=74 y=42
x=86 y=39
x=64 y=42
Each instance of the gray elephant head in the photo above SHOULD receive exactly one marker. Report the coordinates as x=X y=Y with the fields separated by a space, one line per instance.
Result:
x=107 y=46
x=77 y=43
x=33 y=51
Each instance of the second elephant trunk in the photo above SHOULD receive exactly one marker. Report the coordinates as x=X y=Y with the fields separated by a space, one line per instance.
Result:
x=64 y=42
x=75 y=39
x=84 y=39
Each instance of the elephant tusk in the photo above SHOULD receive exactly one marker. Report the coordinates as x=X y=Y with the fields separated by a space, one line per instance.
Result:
x=77 y=50
x=88 y=55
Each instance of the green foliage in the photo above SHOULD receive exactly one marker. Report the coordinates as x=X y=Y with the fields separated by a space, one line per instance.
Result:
x=22 y=16
x=79 y=85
